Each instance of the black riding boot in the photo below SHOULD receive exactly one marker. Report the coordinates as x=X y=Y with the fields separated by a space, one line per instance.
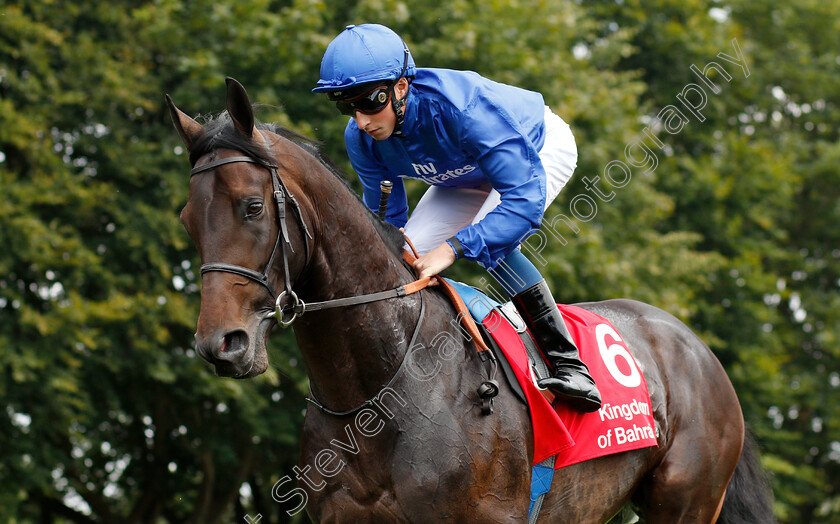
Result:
x=570 y=378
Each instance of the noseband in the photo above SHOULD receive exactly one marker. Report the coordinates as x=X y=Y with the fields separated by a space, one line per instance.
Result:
x=281 y=193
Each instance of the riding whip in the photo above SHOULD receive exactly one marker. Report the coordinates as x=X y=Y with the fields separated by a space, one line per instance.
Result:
x=385 y=187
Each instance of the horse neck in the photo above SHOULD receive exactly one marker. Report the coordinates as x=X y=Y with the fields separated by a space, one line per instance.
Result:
x=351 y=352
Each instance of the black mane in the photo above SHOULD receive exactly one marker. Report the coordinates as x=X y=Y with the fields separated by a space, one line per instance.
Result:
x=220 y=133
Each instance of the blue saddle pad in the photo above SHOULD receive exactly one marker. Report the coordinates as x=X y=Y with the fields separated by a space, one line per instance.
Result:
x=479 y=304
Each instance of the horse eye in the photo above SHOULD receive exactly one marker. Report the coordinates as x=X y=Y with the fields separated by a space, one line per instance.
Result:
x=255 y=208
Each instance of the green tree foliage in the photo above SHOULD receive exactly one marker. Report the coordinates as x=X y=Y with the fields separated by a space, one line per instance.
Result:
x=108 y=414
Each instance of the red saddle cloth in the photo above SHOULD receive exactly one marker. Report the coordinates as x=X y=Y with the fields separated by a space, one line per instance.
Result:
x=625 y=420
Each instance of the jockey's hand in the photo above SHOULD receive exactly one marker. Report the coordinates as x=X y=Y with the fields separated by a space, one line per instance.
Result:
x=434 y=261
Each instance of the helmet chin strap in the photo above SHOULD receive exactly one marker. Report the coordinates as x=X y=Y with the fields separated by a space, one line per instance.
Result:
x=399 y=105
x=399 y=110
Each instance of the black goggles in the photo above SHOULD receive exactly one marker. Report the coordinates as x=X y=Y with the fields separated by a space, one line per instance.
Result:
x=369 y=103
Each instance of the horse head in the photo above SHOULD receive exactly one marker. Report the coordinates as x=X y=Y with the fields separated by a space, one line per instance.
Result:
x=250 y=246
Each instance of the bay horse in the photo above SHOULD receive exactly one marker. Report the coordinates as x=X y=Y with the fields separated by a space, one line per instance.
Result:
x=280 y=232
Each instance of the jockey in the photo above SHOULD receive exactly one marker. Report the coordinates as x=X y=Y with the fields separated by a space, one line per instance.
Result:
x=495 y=157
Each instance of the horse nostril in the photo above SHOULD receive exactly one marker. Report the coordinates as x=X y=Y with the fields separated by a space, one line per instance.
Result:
x=233 y=346
x=228 y=353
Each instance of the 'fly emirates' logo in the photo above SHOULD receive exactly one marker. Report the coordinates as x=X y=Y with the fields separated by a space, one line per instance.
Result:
x=428 y=173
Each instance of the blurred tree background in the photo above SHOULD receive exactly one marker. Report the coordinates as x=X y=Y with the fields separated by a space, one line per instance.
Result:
x=107 y=413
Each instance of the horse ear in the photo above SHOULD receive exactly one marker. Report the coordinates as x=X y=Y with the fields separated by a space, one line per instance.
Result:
x=239 y=107
x=188 y=128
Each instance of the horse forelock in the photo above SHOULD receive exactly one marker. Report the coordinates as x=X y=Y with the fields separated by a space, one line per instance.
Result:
x=220 y=133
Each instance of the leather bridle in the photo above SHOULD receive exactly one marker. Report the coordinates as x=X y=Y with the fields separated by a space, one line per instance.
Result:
x=287 y=314
x=280 y=194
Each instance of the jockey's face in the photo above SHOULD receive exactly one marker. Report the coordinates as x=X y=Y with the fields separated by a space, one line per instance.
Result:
x=381 y=125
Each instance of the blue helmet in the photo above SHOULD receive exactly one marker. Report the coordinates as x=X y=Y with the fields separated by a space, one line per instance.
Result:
x=362 y=54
